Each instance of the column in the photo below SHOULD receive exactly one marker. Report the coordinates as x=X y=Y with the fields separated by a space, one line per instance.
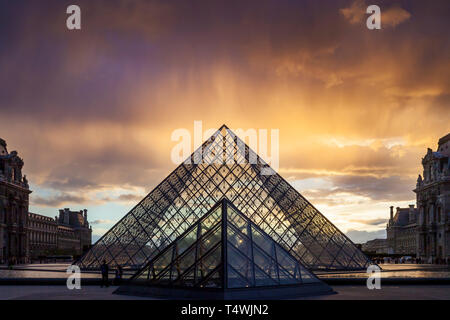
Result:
x=421 y=215
x=432 y=218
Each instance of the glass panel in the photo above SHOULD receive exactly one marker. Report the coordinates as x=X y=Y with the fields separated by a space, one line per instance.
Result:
x=211 y=220
x=235 y=280
x=263 y=279
x=162 y=262
x=262 y=241
x=183 y=263
x=286 y=261
x=240 y=263
x=209 y=241
x=210 y=262
x=307 y=277
x=185 y=242
x=287 y=278
x=188 y=279
x=239 y=241
x=237 y=220
x=265 y=263
x=163 y=277
x=214 y=280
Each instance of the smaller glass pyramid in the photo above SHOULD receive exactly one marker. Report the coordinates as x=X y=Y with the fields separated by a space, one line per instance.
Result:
x=224 y=249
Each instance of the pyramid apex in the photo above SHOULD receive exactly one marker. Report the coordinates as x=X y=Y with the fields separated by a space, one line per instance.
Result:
x=224 y=126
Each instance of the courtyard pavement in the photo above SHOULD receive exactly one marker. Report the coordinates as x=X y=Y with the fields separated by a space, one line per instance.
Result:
x=344 y=292
x=408 y=292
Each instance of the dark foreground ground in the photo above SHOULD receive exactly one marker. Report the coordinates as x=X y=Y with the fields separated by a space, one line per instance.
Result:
x=349 y=286
x=388 y=292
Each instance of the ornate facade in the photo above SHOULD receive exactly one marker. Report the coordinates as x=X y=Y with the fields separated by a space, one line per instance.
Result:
x=74 y=232
x=24 y=235
x=68 y=234
x=401 y=231
x=42 y=235
x=378 y=246
x=14 y=192
x=433 y=202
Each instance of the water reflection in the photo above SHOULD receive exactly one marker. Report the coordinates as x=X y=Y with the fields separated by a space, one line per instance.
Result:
x=397 y=271
x=52 y=271
x=58 y=271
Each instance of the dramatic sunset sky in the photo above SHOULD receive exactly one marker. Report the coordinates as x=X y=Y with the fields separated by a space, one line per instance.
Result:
x=91 y=112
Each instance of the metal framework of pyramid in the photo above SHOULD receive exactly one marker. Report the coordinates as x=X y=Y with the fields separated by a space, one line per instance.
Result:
x=224 y=252
x=225 y=167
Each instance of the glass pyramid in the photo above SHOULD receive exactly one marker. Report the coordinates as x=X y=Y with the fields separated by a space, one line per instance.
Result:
x=224 y=249
x=225 y=167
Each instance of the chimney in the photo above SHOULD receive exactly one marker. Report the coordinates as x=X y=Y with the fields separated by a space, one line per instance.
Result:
x=66 y=216
x=392 y=212
x=85 y=217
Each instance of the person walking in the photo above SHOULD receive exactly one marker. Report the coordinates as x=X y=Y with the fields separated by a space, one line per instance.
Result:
x=105 y=271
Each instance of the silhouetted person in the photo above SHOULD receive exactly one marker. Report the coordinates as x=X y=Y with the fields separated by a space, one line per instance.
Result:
x=105 y=270
x=119 y=274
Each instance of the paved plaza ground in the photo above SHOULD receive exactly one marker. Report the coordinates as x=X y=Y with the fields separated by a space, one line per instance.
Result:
x=58 y=270
x=433 y=291
x=421 y=292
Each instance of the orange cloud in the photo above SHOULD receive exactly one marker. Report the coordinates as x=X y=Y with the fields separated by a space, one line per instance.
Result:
x=93 y=111
x=394 y=16
x=390 y=17
x=356 y=12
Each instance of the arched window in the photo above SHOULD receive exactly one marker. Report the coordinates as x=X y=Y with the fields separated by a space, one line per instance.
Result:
x=439 y=214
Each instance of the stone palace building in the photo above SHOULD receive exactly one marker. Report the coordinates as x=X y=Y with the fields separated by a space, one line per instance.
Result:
x=24 y=235
x=68 y=234
x=433 y=203
x=401 y=231
x=425 y=231
x=376 y=246
x=14 y=192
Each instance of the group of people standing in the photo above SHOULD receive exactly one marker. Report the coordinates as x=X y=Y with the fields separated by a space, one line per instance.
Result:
x=104 y=268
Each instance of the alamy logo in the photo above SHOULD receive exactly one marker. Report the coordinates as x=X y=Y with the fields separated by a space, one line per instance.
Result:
x=374 y=20
x=74 y=280
x=73 y=21
x=235 y=151
x=374 y=279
